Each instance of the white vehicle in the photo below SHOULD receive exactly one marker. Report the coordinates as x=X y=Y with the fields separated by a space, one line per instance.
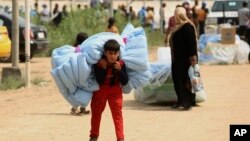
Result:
x=230 y=15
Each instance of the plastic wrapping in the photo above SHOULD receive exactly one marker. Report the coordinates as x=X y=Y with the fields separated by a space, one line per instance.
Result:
x=242 y=53
x=72 y=71
x=196 y=82
x=161 y=87
x=213 y=52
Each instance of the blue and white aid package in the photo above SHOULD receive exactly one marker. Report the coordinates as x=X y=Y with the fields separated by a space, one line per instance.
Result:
x=196 y=82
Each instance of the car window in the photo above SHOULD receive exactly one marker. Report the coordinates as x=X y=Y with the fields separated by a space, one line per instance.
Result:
x=229 y=5
x=1 y=22
x=21 y=20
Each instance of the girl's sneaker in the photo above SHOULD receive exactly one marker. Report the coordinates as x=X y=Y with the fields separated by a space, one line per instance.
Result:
x=84 y=111
x=74 y=111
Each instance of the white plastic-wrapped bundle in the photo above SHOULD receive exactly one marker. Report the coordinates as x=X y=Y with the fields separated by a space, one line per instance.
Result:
x=222 y=54
x=242 y=52
x=136 y=57
x=161 y=87
x=213 y=52
x=196 y=82
x=72 y=71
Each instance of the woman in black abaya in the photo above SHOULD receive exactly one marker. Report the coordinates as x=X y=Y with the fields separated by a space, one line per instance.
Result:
x=183 y=43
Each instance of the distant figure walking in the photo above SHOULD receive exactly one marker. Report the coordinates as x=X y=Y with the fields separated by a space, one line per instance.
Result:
x=131 y=14
x=57 y=15
x=162 y=16
x=45 y=15
x=243 y=14
x=111 y=26
x=171 y=25
x=64 y=12
x=150 y=18
x=202 y=16
x=142 y=16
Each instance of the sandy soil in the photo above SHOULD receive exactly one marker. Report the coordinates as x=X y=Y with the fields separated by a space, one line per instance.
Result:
x=40 y=113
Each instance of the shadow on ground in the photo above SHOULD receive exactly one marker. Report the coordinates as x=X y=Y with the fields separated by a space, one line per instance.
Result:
x=56 y=114
x=135 y=105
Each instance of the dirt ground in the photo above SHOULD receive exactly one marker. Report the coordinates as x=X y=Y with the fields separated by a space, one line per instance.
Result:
x=40 y=113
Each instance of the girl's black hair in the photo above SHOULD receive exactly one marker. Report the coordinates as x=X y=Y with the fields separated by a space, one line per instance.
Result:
x=80 y=37
x=111 y=45
x=111 y=22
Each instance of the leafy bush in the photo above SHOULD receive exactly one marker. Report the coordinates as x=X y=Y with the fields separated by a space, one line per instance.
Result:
x=11 y=83
x=37 y=81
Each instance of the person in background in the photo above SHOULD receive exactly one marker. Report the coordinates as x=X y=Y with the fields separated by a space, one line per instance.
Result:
x=183 y=43
x=131 y=14
x=7 y=9
x=79 y=6
x=142 y=16
x=111 y=26
x=45 y=15
x=56 y=9
x=57 y=15
x=122 y=10
x=194 y=13
x=64 y=11
x=171 y=25
x=81 y=37
x=34 y=12
x=111 y=74
x=162 y=16
x=188 y=9
x=244 y=15
x=150 y=18
x=202 y=16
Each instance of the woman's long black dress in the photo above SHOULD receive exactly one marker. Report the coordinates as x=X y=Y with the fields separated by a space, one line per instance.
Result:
x=184 y=47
